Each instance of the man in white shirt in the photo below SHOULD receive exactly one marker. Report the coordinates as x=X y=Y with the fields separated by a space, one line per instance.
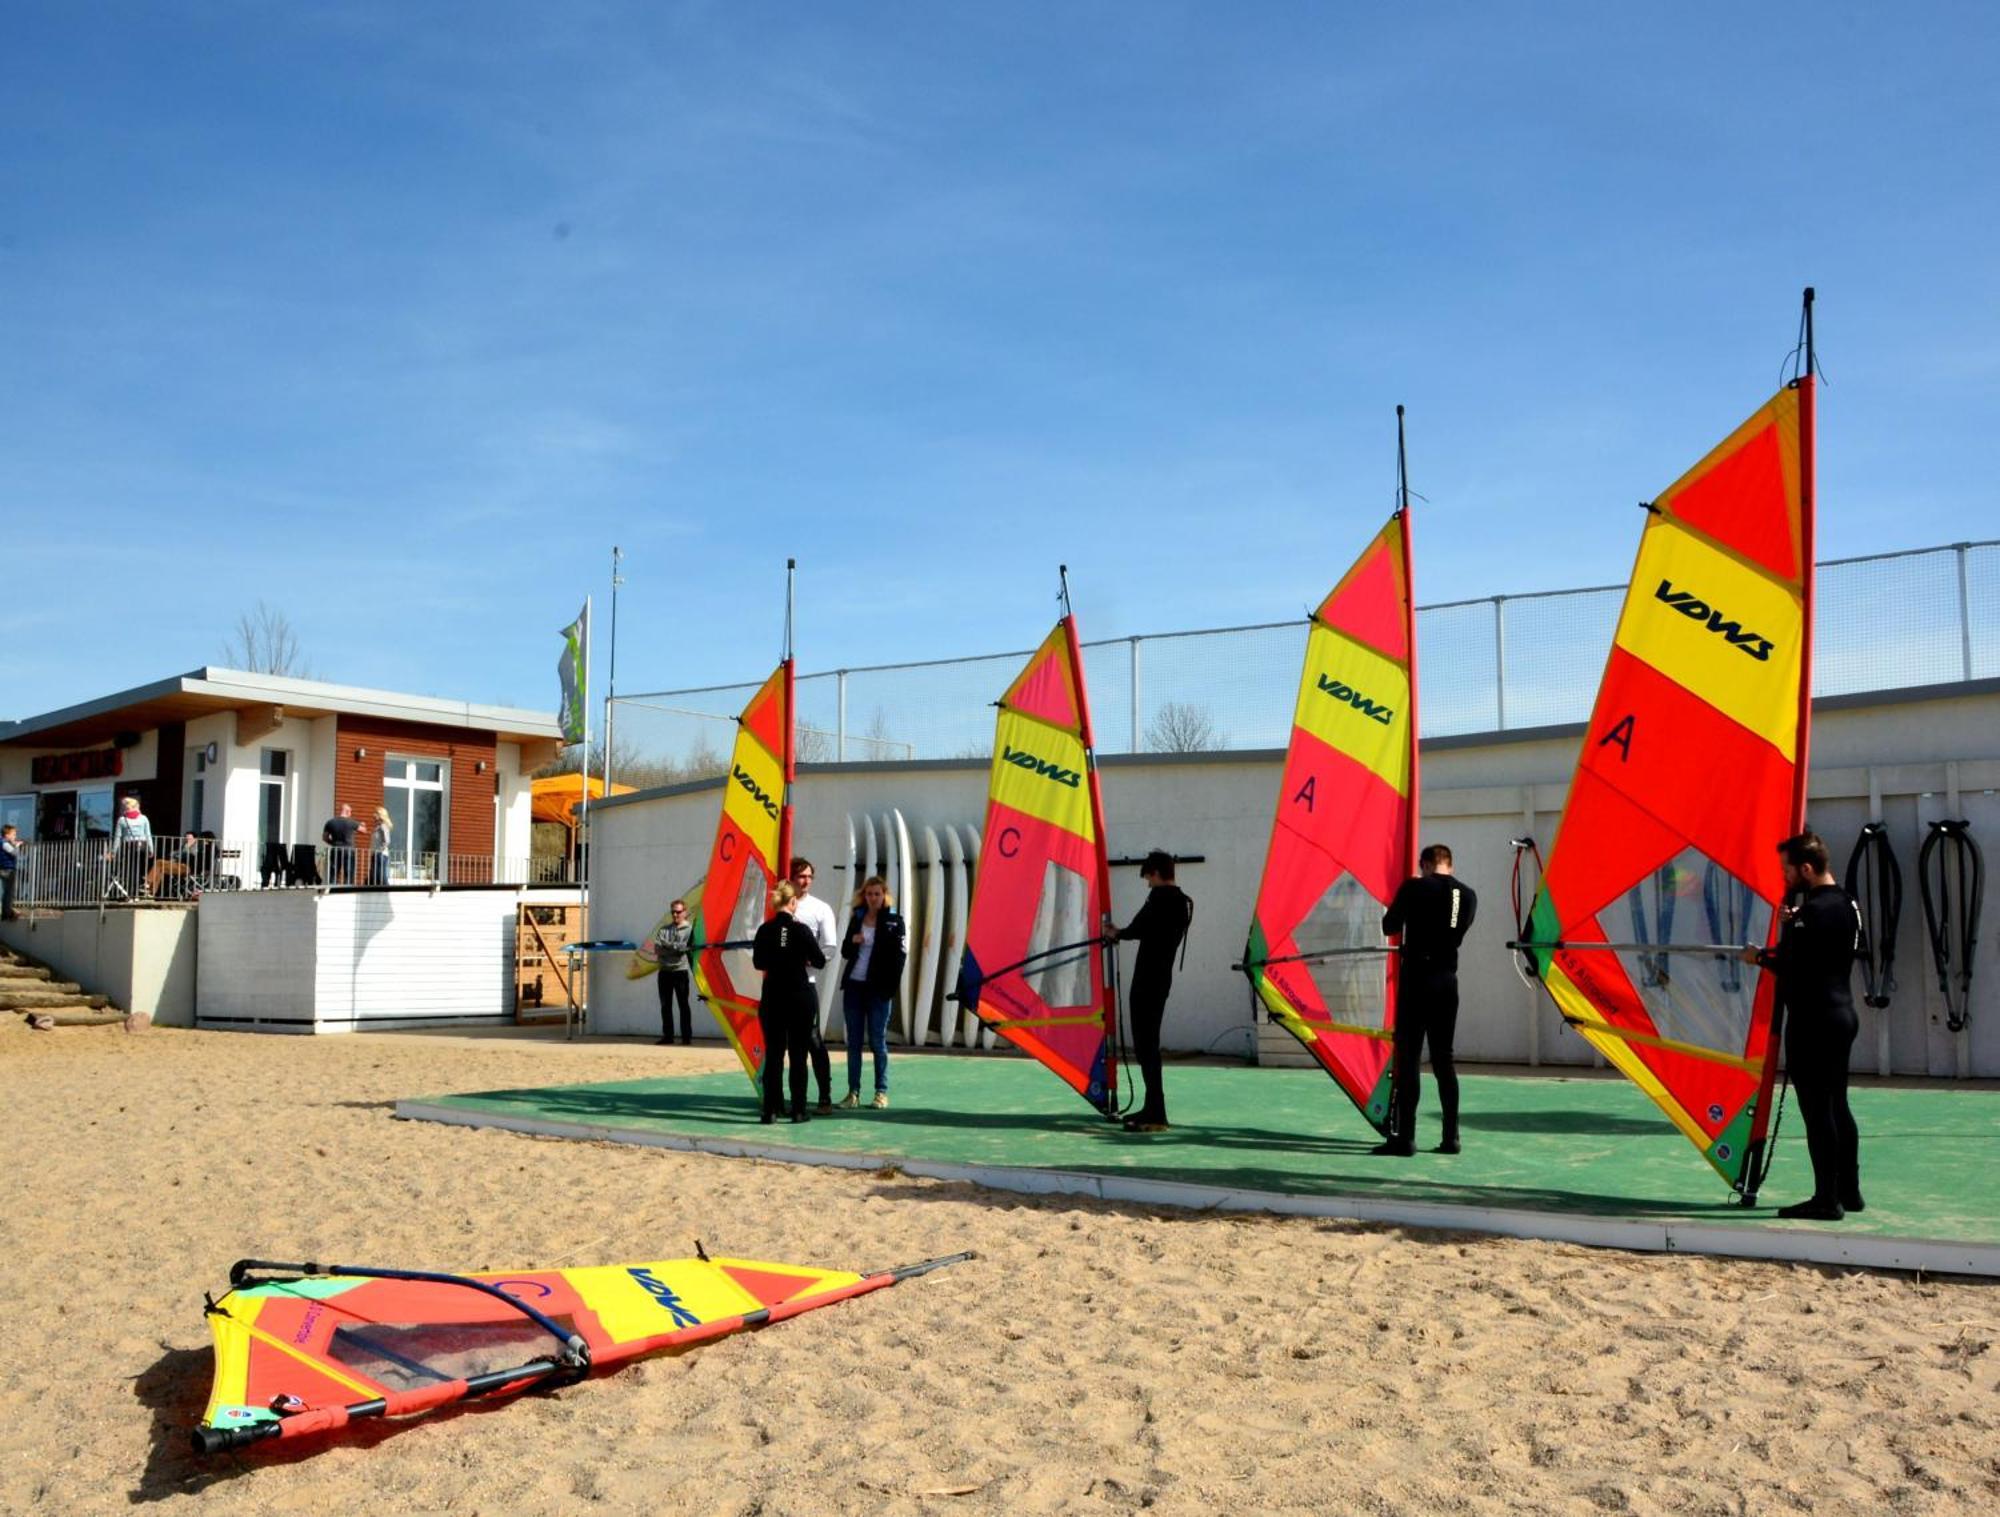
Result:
x=813 y=914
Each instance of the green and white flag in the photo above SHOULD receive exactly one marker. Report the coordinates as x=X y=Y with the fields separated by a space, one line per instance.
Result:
x=574 y=673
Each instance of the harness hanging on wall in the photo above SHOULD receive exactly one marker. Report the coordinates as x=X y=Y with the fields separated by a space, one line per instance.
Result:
x=1875 y=883
x=1951 y=876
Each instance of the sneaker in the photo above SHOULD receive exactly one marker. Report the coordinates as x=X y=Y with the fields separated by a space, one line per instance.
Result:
x=1853 y=1202
x=1393 y=1150
x=801 y=1115
x=881 y=1101
x=1448 y=1146
x=1813 y=1210
x=851 y=1100
x=825 y=1106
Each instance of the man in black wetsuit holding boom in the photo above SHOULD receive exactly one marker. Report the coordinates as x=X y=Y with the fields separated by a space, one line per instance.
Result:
x=1432 y=912
x=1158 y=929
x=1814 y=962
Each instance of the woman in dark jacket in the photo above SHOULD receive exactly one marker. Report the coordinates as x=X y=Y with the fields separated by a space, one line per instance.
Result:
x=788 y=1010
x=873 y=952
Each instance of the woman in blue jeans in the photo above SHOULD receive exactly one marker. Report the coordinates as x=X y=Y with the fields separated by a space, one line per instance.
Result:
x=872 y=954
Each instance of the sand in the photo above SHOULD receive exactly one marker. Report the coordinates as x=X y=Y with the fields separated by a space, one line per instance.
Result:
x=1094 y=1358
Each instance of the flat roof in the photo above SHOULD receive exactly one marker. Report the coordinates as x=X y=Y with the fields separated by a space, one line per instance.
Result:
x=202 y=692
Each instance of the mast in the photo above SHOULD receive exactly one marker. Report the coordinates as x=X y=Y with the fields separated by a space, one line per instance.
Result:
x=1108 y=984
x=1409 y=638
x=790 y=754
x=1760 y=1123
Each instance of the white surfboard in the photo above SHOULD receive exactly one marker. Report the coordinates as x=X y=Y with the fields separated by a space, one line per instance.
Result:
x=985 y=1033
x=929 y=944
x=867 y=862
x=951 y=952
x=830 y=1020
x=906 y=892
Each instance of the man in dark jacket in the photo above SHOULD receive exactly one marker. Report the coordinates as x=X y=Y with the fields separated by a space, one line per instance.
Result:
x=1432 y=912
x=1814 y=961
x=1158 y=929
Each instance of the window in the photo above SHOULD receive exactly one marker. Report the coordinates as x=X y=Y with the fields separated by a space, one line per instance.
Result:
x=413 y=791
x=93 y=813
x=274 y=770
x=195 y=803
x=20 y=810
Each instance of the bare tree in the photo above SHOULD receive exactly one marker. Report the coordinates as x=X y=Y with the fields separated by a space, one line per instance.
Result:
x=265 y=643
x=1182 y=727
x=812 y=745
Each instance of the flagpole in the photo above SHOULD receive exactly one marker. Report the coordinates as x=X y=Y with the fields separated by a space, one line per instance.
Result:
x=583 y=772
x=611 y=675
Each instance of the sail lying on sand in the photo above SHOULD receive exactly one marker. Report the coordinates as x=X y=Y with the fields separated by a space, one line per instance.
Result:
x=305 y=1349
x=1345 y=835
x=1692 y=769
x=1036 y=968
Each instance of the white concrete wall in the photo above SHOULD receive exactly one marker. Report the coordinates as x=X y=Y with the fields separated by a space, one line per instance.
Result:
x=1478 y=794
x=513 y=820
x=304 y=961
x=143 y=960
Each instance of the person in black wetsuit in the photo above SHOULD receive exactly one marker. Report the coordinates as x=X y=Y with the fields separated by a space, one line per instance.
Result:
x=788 y=1010
x=1158 y=929
x=1814 y=962
x=1432 y=912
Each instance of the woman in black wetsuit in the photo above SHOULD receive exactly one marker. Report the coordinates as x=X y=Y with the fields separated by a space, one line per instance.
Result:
x=1814 y=962
x=788 y=1010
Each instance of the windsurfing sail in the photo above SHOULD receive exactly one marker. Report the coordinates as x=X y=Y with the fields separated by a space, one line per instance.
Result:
x=1035 y=968
x=752 y=851
x=1951 y=878
x=305 y=1349
x=1345 y=835
x=1693 y=769
x=1875 y=883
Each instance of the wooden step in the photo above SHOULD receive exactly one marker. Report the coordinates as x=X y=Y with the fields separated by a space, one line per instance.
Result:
x=54 y=995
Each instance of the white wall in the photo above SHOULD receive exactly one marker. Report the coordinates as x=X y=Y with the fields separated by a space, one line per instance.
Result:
x=1477 y=795
x=304 y=961
x=513 y=827
x=143 y=960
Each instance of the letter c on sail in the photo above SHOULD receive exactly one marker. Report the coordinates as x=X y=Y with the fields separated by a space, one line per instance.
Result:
x=1009 y=842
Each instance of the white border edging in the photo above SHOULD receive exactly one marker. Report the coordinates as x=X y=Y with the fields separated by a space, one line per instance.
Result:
x=1784 y=1245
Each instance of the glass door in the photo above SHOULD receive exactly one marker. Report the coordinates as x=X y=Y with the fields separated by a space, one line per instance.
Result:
x=413 y=792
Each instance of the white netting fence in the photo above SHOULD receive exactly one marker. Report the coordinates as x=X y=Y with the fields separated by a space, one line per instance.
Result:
x=1923 y=617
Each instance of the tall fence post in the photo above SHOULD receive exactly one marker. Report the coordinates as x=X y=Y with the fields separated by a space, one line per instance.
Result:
x=1964 y=613
x=1135 y=748
x=840 y=716
x=1500 y=661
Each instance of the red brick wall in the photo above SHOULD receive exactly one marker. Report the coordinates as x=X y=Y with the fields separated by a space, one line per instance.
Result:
x=469 y=801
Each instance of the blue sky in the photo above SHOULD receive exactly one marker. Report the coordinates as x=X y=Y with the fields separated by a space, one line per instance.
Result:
x=399 y=316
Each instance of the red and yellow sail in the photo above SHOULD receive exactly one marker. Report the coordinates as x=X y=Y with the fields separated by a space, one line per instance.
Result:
x=1345 y=835
x=1036 y=969
x=753 y=844
x=1692 y=770
x=307 y=1349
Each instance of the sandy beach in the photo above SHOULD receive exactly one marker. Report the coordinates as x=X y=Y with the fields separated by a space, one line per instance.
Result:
x=1092 y=1359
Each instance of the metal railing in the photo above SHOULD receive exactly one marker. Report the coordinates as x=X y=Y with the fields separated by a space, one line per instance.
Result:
x=90 y=872
x=1887 y=620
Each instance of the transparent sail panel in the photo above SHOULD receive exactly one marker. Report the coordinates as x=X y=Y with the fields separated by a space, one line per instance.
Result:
x=752 y=898
x=1699 y=998
x=1062 y=916
x=410 y=1356
x=1352 y=985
